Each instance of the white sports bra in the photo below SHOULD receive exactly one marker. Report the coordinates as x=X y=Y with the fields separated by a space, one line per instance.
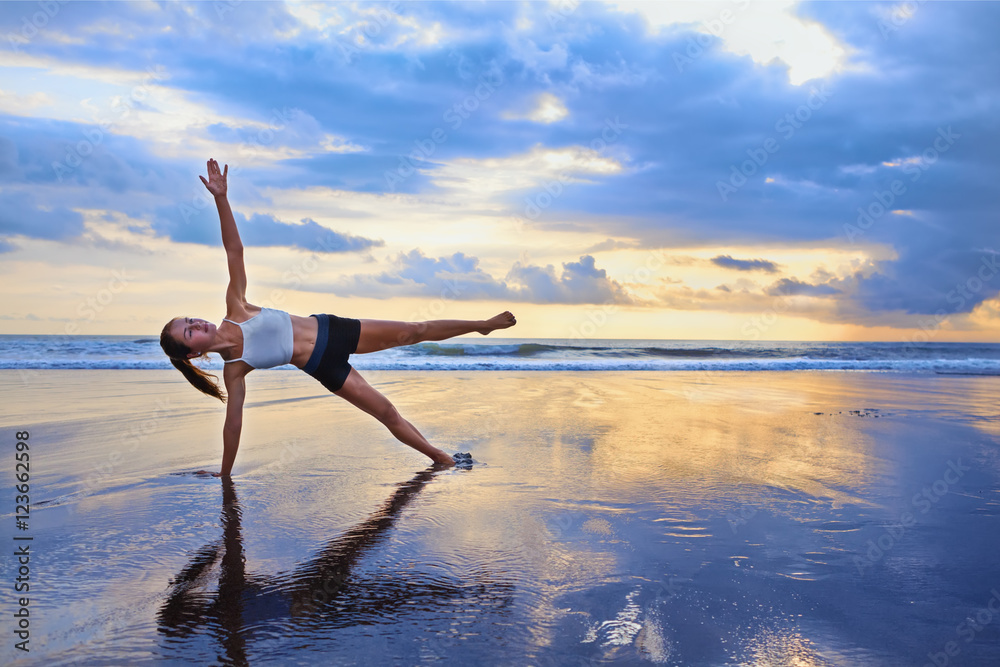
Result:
x=268 y=340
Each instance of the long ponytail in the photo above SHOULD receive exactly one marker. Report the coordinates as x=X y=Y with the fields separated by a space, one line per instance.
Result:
x=178 y=357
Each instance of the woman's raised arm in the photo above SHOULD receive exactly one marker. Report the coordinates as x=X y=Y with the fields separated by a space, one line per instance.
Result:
x=216 y=184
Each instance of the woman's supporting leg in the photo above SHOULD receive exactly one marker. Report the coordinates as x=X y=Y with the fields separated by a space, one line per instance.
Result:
x=383 y=334
x=359 y=393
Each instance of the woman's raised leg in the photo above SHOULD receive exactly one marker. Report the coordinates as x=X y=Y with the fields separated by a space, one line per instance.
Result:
x=359 y=393
x=383 y=334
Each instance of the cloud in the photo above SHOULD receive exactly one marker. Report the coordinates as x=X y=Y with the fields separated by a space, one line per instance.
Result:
x=728 y=262
x=793 y=287
x=547 y=109
x=12 y=103
x=949 y=279
x=185 y=223
x=612 y=244
x=580 y=282
x=9 y=169
x=414 y=274
x=767 y=32
x=288 y=128
x=266 y=230
x=542 y=167
x=460 y=277
x=21 y=214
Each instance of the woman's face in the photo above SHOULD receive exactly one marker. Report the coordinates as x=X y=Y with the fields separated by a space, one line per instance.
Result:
x=195 y=333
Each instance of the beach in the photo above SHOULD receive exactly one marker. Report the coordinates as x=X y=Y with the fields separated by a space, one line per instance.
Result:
x=686 y=517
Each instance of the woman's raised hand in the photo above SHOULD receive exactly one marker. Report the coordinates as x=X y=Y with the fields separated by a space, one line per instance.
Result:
x=216 y=182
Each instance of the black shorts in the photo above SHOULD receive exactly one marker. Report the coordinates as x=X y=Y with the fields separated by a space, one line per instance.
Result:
x=336 y=339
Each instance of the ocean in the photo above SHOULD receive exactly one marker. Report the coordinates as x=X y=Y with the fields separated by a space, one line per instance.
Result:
x=523 y=354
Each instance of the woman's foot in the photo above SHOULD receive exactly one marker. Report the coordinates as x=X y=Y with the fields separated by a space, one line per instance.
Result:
x=443 y=459
x=502 y=321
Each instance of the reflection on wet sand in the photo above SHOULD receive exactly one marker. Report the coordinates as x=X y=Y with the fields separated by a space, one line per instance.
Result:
x=625 y=518
x=322 y=593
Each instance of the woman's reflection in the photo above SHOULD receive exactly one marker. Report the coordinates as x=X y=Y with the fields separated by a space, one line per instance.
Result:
x=321 y=593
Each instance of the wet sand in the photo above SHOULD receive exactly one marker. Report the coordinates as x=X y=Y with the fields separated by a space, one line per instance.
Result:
x=801 y=518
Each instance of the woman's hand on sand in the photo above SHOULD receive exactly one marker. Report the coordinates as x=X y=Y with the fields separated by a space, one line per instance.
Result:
x=216 y=182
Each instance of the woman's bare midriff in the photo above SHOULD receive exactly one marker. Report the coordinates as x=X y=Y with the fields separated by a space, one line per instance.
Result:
x=304 y=330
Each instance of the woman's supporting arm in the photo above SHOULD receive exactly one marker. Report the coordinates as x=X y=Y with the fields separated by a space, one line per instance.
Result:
x=236 y=390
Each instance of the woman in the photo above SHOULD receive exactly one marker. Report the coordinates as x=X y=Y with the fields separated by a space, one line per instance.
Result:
x=252 y=337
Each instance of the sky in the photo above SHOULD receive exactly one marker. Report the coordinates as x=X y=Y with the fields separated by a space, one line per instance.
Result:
x=736 y=170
